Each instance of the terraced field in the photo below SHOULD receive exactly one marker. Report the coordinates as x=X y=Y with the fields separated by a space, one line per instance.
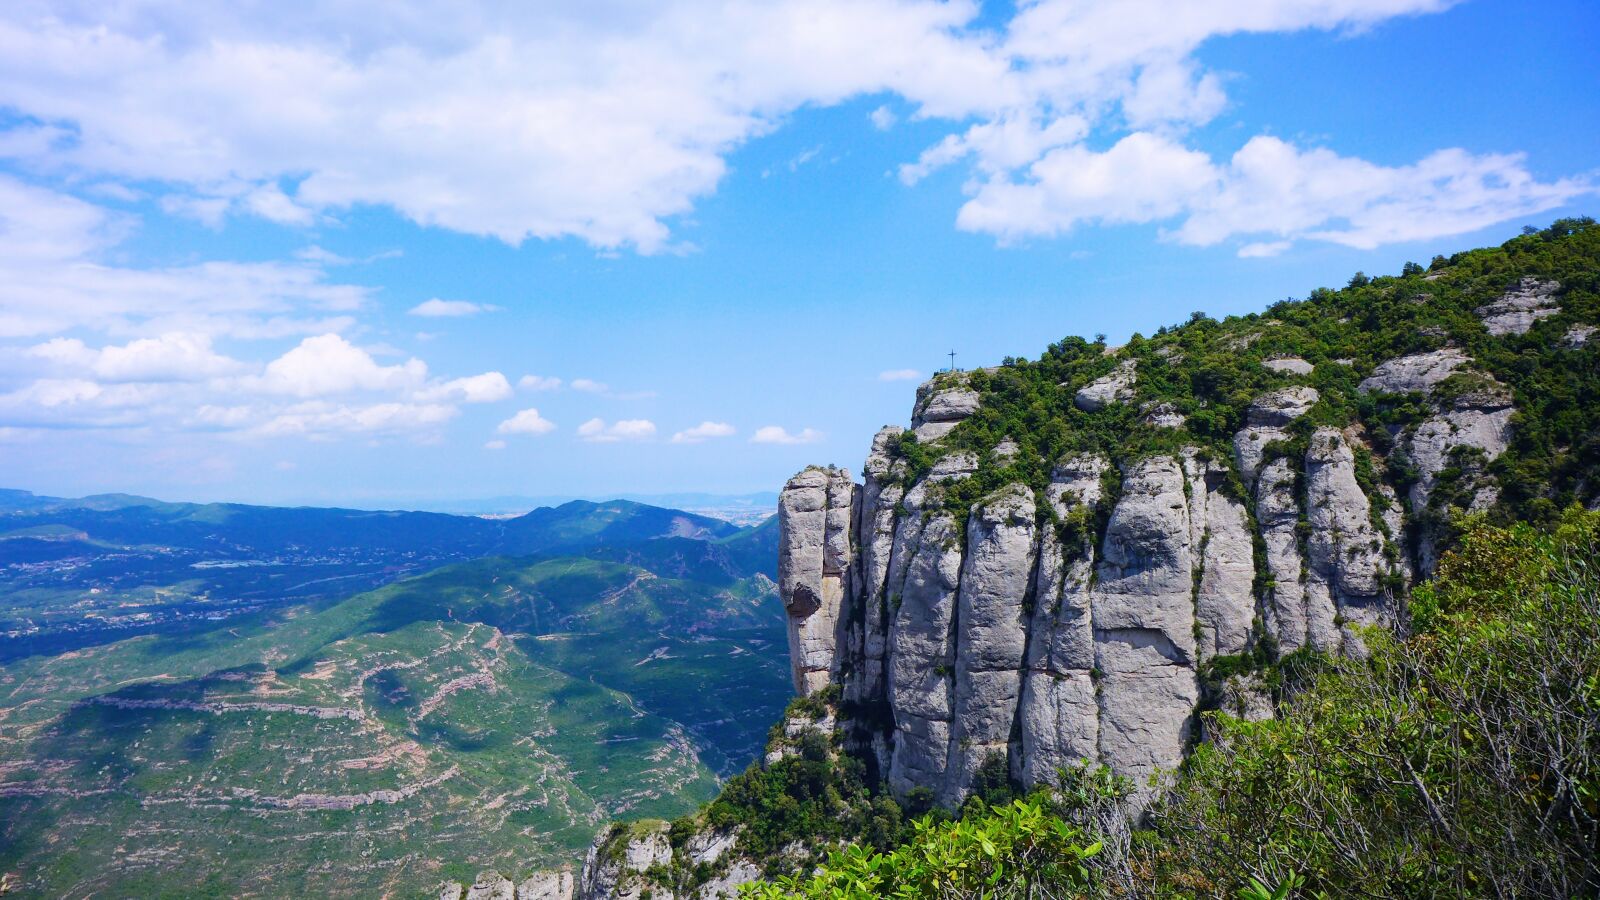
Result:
x=489 y=714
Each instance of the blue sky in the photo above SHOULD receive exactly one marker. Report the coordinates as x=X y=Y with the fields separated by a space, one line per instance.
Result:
x=737 y=234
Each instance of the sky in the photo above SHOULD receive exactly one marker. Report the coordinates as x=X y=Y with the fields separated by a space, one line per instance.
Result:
x=413 y=251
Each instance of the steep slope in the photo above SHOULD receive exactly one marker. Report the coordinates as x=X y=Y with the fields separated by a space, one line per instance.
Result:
x=1068 y=559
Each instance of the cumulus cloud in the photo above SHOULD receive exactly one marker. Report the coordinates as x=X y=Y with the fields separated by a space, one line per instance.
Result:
x=177 y=356
x=606 y=123
x=53 y=278
x=527 y=421
x=1269 y=188
x=539 y=383
x=777 y=434
x=436 y=308
x=597 y=431
x=883 y=118
x=320 y=418
x=900 y=375
x=702 y=432
x=329 y=364
x=489 y=387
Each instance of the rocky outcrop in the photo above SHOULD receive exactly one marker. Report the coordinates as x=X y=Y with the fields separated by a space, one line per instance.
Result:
x=617 y=866
x=1415 y=374
x=1515 y=311
x=1046 y=625
x=816 y=512
x=1116 y=387
x=550 y=885
x=941 y=406
x=1288 y=365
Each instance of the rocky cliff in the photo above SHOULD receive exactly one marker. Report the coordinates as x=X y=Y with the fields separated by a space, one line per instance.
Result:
x=983 y=598
x=1072 y=559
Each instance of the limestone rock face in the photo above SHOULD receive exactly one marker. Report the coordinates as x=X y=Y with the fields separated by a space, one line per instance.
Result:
x=1117 y=387
x=1577 y=336
x=1517 y=309
x=613 y=871
x=1067 y=620
x=815 y=515
x=991 y=633
x=1267 y=420
x=492 y=886
x=1415 y=374
x=1163 y=415
x=1346 y=560
x=549 y=885
x=941 y=405
x=1288 y=365
x=1060 y=716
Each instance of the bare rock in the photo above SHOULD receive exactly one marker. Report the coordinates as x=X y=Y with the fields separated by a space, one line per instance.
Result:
x=1288 y=365
x=492 y=886
x=880 y=505
x=1266 y=421
x=1116 y=387
x=548 y=885
x=1577 y=336
x=942 y=404
x=1162 y=415
x=1517 y=309
x=991 y=633
x=1415 y=374
x=815 y=514
x=1345 y=552
x=1144 y=624
x=1059 y=711
x=449 y=891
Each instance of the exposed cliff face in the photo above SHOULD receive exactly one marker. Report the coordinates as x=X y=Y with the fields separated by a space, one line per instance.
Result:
x=1041 y=626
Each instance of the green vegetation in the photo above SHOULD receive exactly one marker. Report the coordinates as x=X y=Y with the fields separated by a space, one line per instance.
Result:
x=1460 y=761
x=1210 y=371
x=489 y=714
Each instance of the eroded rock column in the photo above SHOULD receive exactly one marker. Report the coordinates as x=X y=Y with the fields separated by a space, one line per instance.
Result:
x=815 y=517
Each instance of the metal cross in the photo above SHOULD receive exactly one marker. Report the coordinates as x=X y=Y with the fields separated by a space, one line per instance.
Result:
x=952 y=360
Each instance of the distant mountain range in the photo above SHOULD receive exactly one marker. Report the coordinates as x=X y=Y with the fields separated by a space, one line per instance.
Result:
x=197 y=699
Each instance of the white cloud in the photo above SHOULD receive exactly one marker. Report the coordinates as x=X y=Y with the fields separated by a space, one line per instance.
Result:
x=494 y=445
x=590 y=386
x=329 y=364
x=539 y=383
x=777 y=434
x=170 y=357
x=883 y=118
x=602 y=122
x=900 y=375
x=702 y=432
x=1270 y=187
x=527 y=421
x=320 y=418
x=437 y=308
x=490 y=387
x=52 y=279
x=597 y=431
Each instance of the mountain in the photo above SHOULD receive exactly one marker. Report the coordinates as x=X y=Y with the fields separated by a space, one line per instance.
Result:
x=151 y=566
x=1081 y=557
x=226 y=700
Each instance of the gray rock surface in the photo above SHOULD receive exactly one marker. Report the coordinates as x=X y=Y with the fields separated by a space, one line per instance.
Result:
x=881 y=494
x=942 y=403
x=558 y=884
x=1162 y=415
x=613 y=868
x=1288 y=365
x=1515 y=311
x=1267 y=420
x=492 y=886
x=991 y=633
x=1345 y=552
x=1144 y=623
x=1059 y=713
x=1415 y=374
x=1115 y=387
x=815 y=515
x=1577 y=336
